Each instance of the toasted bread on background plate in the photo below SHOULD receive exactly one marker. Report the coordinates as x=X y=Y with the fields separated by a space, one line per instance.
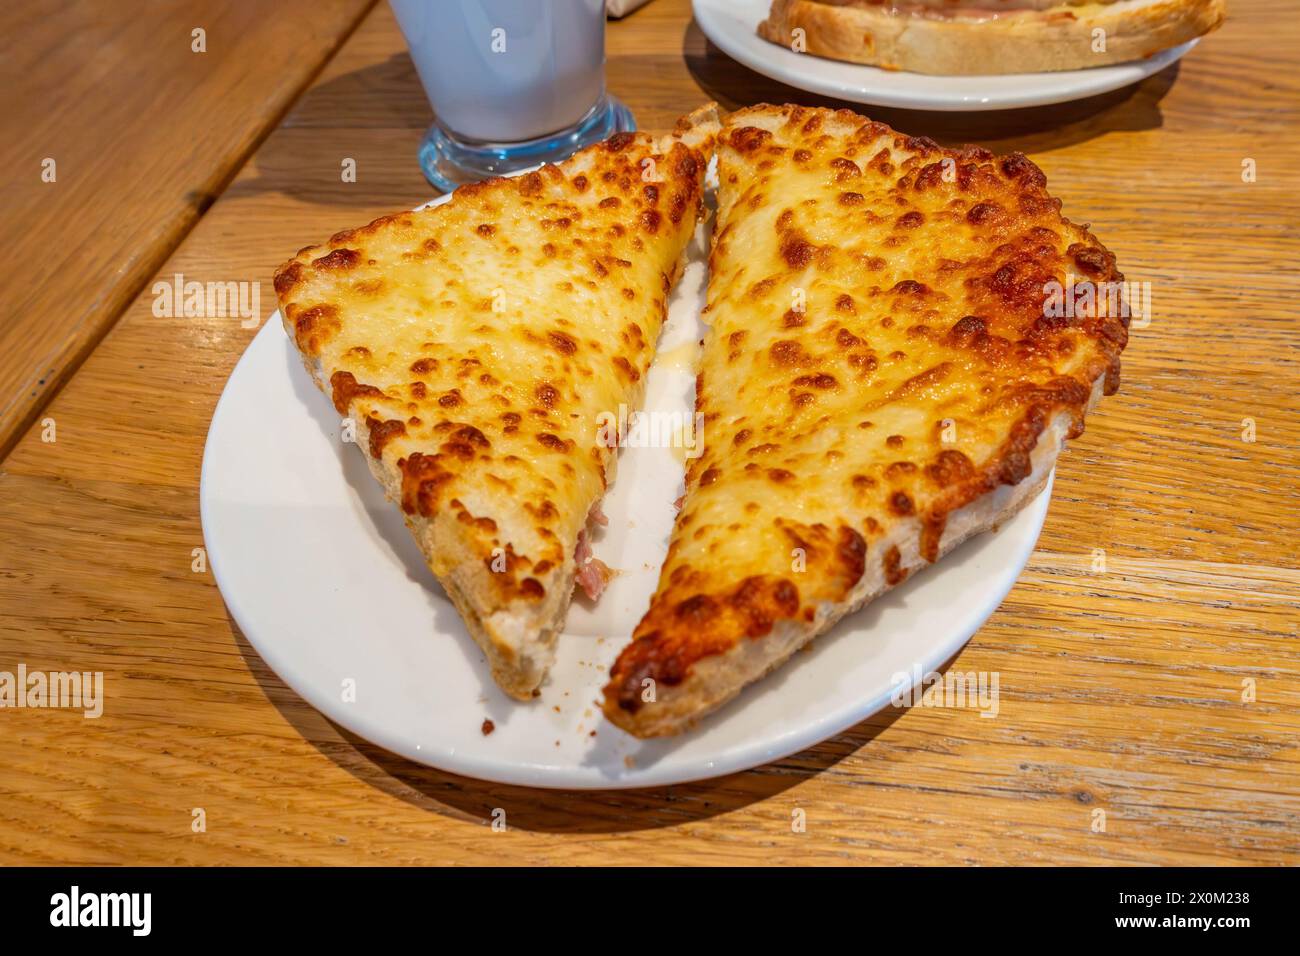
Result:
x=978 y=37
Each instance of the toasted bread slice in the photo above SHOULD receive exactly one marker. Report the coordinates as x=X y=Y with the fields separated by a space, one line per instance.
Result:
x=883 y=377
x=960 y=37
x=474 y=345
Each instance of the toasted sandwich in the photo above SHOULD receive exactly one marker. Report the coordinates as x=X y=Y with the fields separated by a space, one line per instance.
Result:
x=956 y=37
x=474 y=346
x=902 y=337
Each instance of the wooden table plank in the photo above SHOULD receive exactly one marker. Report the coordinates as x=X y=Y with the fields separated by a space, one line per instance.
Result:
x=1121 y=689
x=143 y=132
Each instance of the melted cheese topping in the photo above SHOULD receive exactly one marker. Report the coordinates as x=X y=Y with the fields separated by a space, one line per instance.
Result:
x=879 y=353
x=479 y=341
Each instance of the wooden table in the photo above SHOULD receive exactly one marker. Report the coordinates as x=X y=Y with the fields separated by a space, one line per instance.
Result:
x=1122 y=690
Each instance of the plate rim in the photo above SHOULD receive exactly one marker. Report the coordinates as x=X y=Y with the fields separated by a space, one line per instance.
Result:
x=1091 y=82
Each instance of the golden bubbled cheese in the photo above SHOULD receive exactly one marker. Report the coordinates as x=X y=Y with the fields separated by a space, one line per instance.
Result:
x=879 y=358
x=475 y=345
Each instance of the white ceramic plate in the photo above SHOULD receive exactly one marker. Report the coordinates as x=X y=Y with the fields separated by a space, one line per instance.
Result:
x=323 y=578
x=730 y=24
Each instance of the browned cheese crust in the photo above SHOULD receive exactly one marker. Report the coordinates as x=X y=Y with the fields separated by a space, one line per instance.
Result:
x=879 y=360
x=944 y=40
x=475 y=344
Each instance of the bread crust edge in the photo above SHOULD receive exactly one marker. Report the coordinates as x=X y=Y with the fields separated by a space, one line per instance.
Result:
x=1026 y=44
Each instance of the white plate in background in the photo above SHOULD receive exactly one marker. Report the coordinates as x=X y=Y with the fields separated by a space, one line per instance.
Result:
x=731 y=25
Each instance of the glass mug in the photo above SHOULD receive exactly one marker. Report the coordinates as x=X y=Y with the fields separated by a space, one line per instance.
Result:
x=513 y=83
